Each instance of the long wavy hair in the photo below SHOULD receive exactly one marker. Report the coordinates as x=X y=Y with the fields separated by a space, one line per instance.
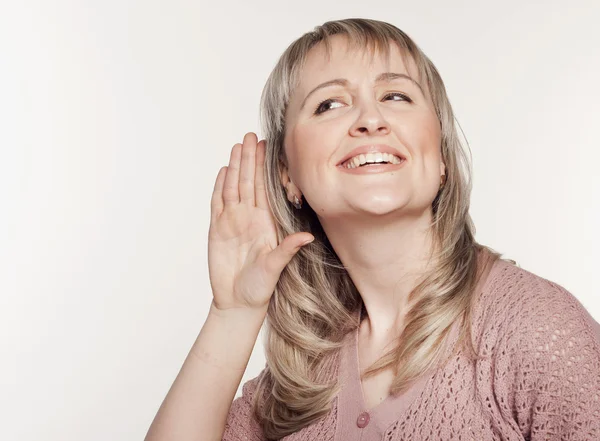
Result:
x=315 y=303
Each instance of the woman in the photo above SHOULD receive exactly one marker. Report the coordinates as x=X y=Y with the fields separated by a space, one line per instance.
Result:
x=391 y=322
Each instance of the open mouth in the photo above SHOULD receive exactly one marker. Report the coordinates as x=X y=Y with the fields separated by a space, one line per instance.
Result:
x=373 y=168
x=366 y=164
x=361 y=163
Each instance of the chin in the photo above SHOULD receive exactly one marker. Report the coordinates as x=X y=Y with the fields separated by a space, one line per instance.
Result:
x=381 y=207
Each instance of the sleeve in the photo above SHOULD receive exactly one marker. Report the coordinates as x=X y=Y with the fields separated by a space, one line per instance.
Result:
x=555 y=347
x=241 y=423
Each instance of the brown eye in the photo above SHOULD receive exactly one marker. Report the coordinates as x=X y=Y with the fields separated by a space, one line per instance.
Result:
x=400 y=95
x=322 y=106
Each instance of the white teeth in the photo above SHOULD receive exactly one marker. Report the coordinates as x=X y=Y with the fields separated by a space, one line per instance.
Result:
x=361 y=159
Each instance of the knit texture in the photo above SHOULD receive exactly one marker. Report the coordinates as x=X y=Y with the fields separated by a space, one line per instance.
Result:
x=538 y=380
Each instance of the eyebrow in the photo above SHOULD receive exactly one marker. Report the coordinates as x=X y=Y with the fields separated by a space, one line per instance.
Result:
x=383 y=77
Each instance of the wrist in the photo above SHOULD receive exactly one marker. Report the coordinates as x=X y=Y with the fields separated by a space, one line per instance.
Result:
x=238 y=312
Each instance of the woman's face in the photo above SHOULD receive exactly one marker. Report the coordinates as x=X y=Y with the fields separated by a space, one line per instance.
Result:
x=392 y=112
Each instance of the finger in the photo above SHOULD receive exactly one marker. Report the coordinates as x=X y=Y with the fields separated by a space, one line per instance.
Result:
x=260 y=192
x=277 y=259
x=216 y=202
x=230 y=189
x=247 y=169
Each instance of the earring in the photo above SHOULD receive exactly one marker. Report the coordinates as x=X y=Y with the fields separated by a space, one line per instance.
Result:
x=297 y=202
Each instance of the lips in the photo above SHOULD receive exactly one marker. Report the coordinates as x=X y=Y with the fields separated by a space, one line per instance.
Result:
x=371 y=148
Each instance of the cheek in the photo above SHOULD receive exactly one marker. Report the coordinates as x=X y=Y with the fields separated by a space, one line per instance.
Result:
x=311 y=145
x=300 y=152
x=431 y=133
x=430 y=141
x=425 y=145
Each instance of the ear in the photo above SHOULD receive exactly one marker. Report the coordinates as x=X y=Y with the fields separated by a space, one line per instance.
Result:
x=286 y=181
x=283 y=174
x=442 y=168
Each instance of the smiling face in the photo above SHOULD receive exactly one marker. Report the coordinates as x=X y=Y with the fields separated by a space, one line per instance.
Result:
x=373 y=105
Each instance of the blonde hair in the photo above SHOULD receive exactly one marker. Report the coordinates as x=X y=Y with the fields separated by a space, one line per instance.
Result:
x=315 y=303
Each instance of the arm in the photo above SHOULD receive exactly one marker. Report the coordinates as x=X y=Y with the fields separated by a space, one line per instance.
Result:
x=241 y=422
x=197 y=405
x=245 y=261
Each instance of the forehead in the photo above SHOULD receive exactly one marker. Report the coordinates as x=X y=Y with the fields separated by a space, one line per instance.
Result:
x=351 y=61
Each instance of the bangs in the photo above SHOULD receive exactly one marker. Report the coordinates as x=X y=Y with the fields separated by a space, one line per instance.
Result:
x=370 y=44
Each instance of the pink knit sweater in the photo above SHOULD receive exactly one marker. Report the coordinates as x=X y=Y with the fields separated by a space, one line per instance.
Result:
x=539 y=379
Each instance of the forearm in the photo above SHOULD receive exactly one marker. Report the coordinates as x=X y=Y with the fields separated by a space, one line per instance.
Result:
x=197 y=405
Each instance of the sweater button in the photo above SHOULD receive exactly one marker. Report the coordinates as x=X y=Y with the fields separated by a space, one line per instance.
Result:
x=363 y=420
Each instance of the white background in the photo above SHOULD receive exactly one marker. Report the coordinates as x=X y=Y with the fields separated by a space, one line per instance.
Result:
x=116 y=116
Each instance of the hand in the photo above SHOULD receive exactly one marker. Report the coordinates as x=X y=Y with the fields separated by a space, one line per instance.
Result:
x=244 y=259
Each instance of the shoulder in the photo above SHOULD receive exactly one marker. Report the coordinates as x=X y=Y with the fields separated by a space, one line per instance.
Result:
x=241 y=422
x=543 y=347
x=513 y=294
x=250 y=387
x=518 y=306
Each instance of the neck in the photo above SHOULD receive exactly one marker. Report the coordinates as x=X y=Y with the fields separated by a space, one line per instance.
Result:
x=385 y=257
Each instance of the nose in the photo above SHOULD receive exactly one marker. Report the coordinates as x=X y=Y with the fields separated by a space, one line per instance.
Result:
x=370 y=120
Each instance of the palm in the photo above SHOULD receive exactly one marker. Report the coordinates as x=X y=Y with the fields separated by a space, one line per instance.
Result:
x=244 y=257
x=242 y=235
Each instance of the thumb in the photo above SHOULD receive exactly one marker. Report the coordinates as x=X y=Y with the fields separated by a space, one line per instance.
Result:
x=278 y=258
